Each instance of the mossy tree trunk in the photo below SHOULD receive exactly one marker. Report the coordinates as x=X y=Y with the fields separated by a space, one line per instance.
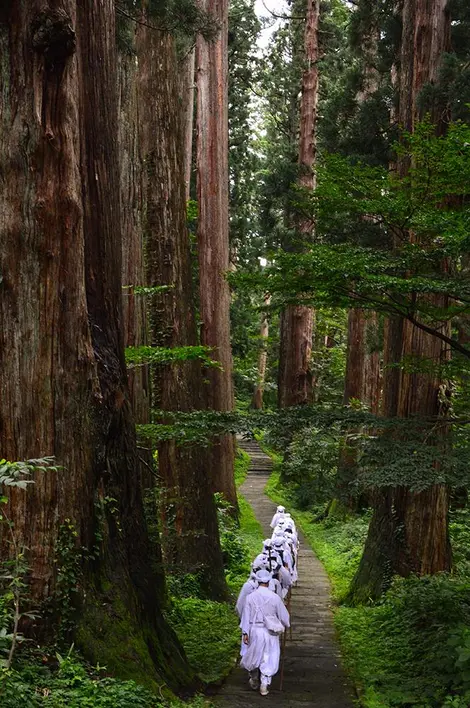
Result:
x=189 y=517
x=409 y=531
x=62 y=376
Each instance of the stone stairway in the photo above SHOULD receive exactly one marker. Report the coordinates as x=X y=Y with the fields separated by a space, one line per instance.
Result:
x=312 y=671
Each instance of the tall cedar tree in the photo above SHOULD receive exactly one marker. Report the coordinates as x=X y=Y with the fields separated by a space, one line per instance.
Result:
x=213 y=234
x=190 y=532
x=135 y=325
x=409 y=531
x=62 y=371
x=296 y=322
x=362 y=376
x=257 y=402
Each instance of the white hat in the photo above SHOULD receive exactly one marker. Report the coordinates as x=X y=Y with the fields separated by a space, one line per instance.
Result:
x=263 y=576
x=279 y=541
x=267 y=542
x=281 y=509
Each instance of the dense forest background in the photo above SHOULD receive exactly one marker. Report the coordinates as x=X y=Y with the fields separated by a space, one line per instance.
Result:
x=215 y=219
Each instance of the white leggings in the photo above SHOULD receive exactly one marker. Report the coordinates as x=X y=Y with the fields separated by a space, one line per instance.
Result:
x=256 y=675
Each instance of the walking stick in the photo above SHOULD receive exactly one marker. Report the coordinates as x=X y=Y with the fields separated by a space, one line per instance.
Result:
x=289 y=595
x=283 y=656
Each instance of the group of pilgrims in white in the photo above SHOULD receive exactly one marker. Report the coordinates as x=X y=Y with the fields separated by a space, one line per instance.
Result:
x=262 y=602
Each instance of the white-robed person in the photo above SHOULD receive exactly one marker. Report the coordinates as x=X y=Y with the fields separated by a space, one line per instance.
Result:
x=262 y=647
x=264 y=563
x=250 y=586
x=280 y=511
x=281 y=545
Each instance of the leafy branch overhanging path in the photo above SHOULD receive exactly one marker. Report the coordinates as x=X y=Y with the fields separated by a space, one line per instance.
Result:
x=313 y=675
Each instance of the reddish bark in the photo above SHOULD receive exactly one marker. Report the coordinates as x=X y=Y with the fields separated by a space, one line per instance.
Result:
x=188 y=97
x=62 y=375
x=213 y=233
x=362 y=379
x=362 y=383
x=133 y=269
x=409 y=531
x=295 y=381
x=190 y=531
x=257 y=402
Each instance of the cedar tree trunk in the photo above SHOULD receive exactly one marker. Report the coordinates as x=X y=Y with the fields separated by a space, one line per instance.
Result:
x=190 y=531
x=187 y=99
x=295 y=382
x=62 y=374
x=409 y=531
x=257 y=402
x=213 y=234
x=362 y=383
x=133 y=268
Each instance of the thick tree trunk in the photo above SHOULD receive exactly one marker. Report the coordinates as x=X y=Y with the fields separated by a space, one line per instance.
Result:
x=362 y=383
x=213 y=234
x=419 y=520
x=257 y=402
x=362 y=380
x=62 y=374
x=133 y=269
x=295 y=381
x=190 y=532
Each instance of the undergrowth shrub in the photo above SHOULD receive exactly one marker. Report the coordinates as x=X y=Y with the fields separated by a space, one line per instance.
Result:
x=209 y=633
x=72 y=684
x=411 y=648
x=310 y=467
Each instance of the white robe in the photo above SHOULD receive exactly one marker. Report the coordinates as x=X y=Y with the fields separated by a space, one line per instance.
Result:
x=285 y=580
x=263 y=650
x=278 y=515
x=275 y=586
x=249 y=587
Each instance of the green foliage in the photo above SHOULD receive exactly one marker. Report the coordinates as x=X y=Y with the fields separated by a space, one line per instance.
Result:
x=242 y=465
x=310 y=466
x=144 y=290
x=66 y=682
x=69 y=561
x=412 y=648
x=209 y=633
x=141 y=356
x=182 y=18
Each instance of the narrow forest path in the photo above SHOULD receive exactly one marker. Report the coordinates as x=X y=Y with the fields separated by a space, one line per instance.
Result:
x=312 y=675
